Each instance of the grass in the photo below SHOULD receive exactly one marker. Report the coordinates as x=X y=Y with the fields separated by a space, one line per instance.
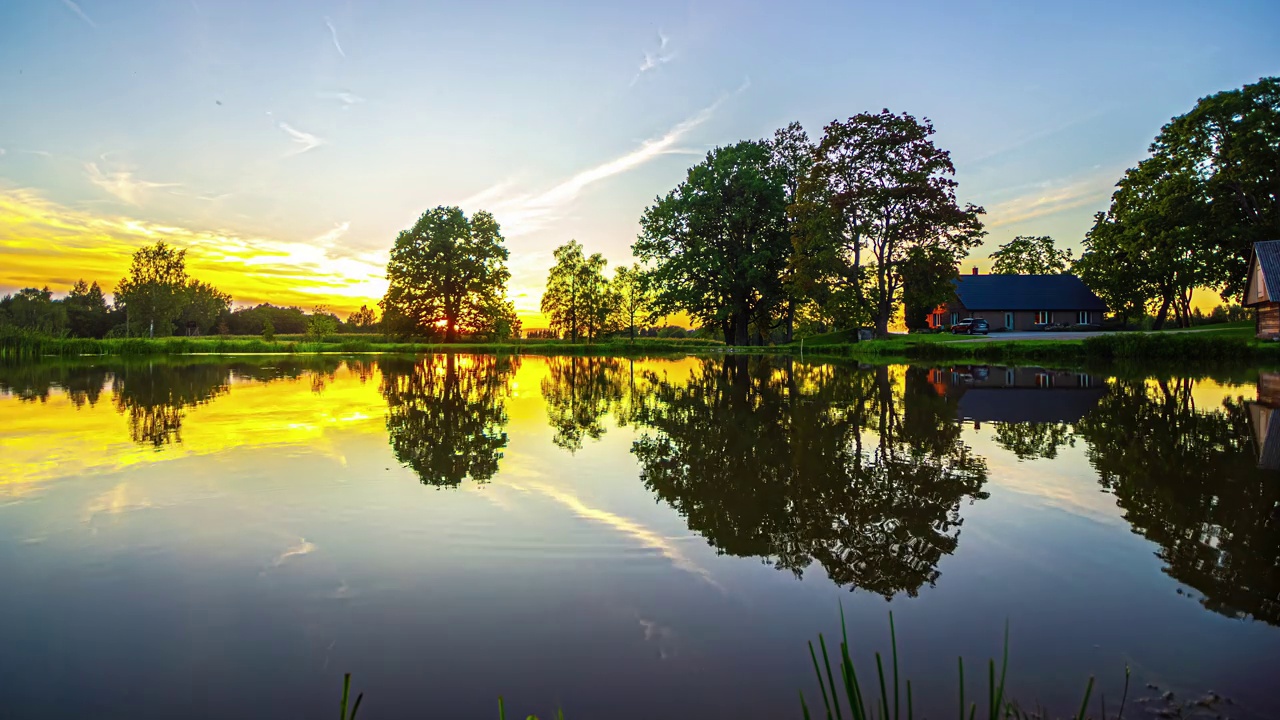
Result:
x=864 y=703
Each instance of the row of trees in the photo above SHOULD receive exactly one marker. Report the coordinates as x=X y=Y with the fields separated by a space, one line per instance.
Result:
x=843 y=231
x=1187 y=216
x=580 y=302
x=158 y=298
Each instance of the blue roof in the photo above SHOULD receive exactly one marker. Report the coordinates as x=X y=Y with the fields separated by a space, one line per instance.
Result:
x=1267 y=254
x=1026 y=292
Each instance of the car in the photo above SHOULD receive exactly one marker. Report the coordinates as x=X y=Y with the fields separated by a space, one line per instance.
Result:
x=971 y=326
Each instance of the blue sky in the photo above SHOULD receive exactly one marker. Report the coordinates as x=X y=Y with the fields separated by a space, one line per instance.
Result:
x=286 y=143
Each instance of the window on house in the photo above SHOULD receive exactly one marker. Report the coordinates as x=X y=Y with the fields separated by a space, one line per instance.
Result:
x=1042 y=317
x=1008 y=321
x=1082 y=317
x=1044 y=380
x=1009 y=377
x=955 y=318
x=1085 y=380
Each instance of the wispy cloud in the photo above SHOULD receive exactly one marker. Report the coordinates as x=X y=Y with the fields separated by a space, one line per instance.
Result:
x=306 y=141
x=524 y=213
x=122 y=184
x=1054 y=197
x=653 y=60
x=71 y=5
x=304 y=547
x=346 y=98
x=329 y=237
x=333 y=33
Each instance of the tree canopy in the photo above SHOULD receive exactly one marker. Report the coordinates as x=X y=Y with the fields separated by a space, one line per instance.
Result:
x=878 y=188
x=1030 y=255
x=716 y=246
x=578 y=300
x=448 y=273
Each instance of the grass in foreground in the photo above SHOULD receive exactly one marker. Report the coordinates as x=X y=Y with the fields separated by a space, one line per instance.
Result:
x=864 y=703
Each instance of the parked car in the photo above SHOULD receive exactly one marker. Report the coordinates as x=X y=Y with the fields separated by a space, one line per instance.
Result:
x=971 y=326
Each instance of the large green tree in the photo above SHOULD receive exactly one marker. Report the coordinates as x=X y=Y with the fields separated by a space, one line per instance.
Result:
x=34 y=309
x=448 y=273
x=793 y=155
x=631 y=298
x=878 y=188
x=578 y=301
x=1230 y=143
x=203 y=306
x=1030 y=255
x=154 y=292
x=716 y=246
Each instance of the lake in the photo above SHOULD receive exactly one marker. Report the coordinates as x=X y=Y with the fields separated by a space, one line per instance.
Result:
x=225 y=537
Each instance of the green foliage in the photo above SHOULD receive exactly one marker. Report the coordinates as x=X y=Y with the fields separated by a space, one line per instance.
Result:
x=448 y=272
x=1030 y=255
x=87 y=311
x=1186 y=216
x=268 y=330
x=578 y=300
x=203 y=306
x=363 y=319
x=33 y=310
x=154 y=291
x=632 y=299
x=717 y=245
x=927 y=274
x=878 y=188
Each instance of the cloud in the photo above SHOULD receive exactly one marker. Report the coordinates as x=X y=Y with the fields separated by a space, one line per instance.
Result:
x=1 y=151
x=653 y=60
x=306 y=141
x=333 y=33
x=346 y=98
x=1053 y=198
x=122 y=184
x=39 y=238
x=76 y=9
x=524 y=213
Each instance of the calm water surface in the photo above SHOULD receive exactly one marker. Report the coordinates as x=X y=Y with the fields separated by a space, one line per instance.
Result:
x=622 y=538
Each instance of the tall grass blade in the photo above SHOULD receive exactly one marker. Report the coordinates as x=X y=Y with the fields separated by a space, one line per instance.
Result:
x=884 y=696
x=991 y=687
x=893 y=639
x=1084 y=705
x=911 y=715
x=858 y=708
x=356 y=708
x=502 y=711
x=346 y=693
x=1004 y=669
x=821 y=686
x=835 y=700
x=1125 y=696
x=805 y=708
x=960 y=660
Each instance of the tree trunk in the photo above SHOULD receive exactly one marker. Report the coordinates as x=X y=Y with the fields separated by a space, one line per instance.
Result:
x=741 y=329
x=1164 y=311
x=450 y=330
x=791 y=321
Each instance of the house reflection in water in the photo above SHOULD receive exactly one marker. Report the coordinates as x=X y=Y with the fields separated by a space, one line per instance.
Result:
x=1266 y=426
x=989 y=393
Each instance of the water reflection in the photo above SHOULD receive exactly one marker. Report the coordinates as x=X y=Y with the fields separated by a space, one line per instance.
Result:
x=446 y=414
x=580 y=392
x=1187 y=479
x=770 y=459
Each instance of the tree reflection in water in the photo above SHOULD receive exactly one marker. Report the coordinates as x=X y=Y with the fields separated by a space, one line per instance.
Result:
x=446 y=414
x=1188 y=480
x=579 y=393
x=798 y=464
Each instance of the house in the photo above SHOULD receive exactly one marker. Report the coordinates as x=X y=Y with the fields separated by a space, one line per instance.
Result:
x=1018 y=394
x=1020 y=302
x=1264 y=418
x=1259 y=293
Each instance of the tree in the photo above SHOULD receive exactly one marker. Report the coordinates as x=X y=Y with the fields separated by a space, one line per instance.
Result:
x=155 y=290
x=879 y=184
x=577 y=300
x=792 y=160
x=446 y=414
x=363 y=319
x=631 y=296
x=87 y=311
x=203 y=306
x=927 y=281
x=1028 y=255
x=716 y=246
x=447 y=272
x=1230 y=142
x=321 y=324
x=268 y=330
x=32 y=309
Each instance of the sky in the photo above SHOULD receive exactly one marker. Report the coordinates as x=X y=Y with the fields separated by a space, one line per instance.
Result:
x=285 y=144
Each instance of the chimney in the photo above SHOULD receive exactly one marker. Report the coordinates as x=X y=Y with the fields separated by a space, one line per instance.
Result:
x=975 y=271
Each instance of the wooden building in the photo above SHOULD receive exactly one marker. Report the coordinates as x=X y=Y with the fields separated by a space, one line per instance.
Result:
x=1020 y=302
x=1259 y=293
